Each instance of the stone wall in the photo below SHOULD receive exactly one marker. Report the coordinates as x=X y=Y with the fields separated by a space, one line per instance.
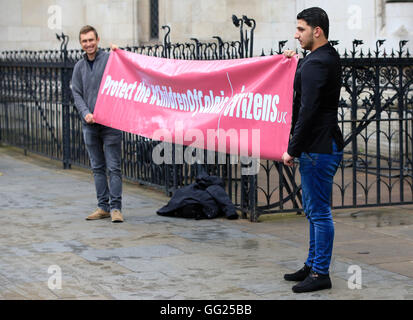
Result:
x=367 y=20
x=32 y=24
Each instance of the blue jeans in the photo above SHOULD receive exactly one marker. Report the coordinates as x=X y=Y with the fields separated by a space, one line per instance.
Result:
x=104 y=146
x=317 y=171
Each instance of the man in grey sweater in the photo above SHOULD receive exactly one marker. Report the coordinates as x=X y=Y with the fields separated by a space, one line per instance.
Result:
x=103 y=143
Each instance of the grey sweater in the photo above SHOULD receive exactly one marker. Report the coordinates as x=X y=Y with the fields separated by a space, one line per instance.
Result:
x=86 y=82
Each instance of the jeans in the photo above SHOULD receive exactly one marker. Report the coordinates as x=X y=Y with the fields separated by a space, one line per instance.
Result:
x=317 y=172
x=104 y=145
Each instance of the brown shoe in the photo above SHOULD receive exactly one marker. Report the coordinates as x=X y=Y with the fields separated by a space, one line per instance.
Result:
x=98 y=214
x=116 y=216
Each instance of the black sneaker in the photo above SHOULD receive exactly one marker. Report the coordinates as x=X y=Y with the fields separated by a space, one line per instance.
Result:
x=314 y=282
x=300 y=275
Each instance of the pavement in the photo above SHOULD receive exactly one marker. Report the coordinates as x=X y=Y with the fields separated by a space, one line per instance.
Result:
x=48 y=251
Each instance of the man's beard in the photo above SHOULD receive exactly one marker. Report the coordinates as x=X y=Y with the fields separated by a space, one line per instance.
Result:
x=309 y=44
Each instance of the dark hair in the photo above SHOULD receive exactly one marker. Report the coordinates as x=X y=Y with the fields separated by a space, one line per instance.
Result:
x=315 y=17
x=87 y=29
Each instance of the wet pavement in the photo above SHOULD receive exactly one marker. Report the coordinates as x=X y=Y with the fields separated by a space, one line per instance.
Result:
x=49 y=251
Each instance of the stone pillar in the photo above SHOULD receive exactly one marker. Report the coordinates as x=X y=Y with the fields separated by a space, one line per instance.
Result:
x=399 y=23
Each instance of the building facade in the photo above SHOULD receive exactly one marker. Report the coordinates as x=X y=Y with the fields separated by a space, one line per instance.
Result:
x=33 y=24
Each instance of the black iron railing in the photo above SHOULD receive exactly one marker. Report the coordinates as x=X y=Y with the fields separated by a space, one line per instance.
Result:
x=37 y=113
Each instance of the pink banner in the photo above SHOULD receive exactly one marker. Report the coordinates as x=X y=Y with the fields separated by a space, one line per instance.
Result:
x=240 y=106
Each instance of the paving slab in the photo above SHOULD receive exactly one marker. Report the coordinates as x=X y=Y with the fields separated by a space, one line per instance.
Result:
x=42 y=225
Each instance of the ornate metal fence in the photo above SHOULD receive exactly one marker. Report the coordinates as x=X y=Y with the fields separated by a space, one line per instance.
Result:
x=37 y=114
x=375 y=116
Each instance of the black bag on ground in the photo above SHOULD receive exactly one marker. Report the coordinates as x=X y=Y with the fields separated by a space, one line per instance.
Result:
x=204 y=199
